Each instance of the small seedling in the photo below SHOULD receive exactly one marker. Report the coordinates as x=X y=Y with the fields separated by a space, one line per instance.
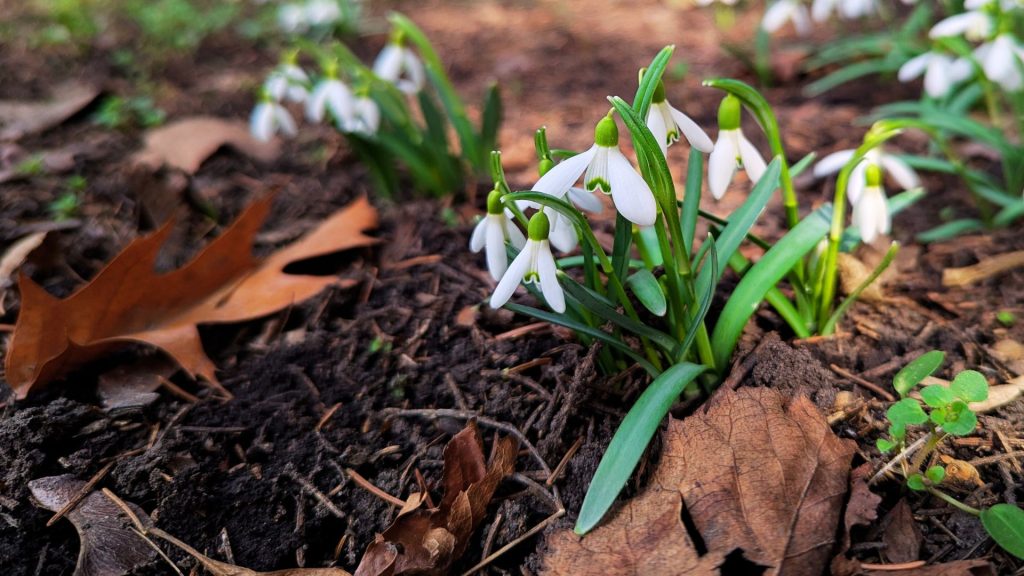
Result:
x=64 y=207
x=1006 y=318
x=943 y=411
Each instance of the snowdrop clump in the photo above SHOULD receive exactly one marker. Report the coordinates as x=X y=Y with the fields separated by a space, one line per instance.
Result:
x=301 y=17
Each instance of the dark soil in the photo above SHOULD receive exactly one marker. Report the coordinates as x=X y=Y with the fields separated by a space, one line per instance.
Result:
x=244 y=479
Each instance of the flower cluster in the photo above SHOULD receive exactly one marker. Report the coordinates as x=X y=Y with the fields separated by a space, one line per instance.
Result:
x=998 y=54
x=797 y=12
x=350 y=109
x=301 y=17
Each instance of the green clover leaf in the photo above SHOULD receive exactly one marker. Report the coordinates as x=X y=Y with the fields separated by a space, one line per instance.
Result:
x=915 y=482
x=937 y=396
x=935 y=474
x=970 y=386
x=906 y=412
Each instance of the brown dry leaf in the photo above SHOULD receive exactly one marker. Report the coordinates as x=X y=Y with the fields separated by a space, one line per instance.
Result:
x=998 y=395
x=185 y=144
x=19 y=118
x=218 y=568
x=108 y=546
x=13 y=257
x=129 y=302
x=1011 y=353
x=853 y=273
x=422 y=541
x=861 y=510
x=958 y=568
x=754 y=472
x=901 y=537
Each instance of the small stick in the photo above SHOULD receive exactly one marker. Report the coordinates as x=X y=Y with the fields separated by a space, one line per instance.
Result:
x=521 y=331
x=138 y=528
x=491 y=533
x=177 y=390
x=82 y=493
x=878 y=390
x=906 y=453
x=423 y=488
x=997 y=458
x=414 y=261
x=982 y=270
x=893 y=567
x=327 y=416
x=564 y=462
x=309 y=487
x=369 y=487
x=544 y=524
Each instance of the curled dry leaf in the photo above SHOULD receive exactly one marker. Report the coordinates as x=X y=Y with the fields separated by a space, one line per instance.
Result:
x=861 y=510
x=754 y=472
x=186 y=144
x=13 y=257
x=901 y=537
x=1011 y=353
x=128 y=302
x=108 y=545
x=853 y=273
x=20 y=118
x=422 y=541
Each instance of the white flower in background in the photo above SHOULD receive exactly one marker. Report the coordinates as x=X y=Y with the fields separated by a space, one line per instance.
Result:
x=998 y=60
x=731 y=149
x=291 y=19
x=667 y=123
x=606 y=168
x=900 y=171
x=710 y=2
x=821 y=10
x=563 y=232
x=322 y=12
x=399 y=65
x=974 y=25
x=941 y=72
x=269 y=118
x=782 y=11
x=492 y=232
x=870 y=208
x=287 y=81
x=365 y=116
x=533 y=265
x=331 y=95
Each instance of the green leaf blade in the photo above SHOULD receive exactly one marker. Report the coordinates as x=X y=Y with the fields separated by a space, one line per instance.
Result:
x=970 y=386
x=1005 y=524
x=920 y=368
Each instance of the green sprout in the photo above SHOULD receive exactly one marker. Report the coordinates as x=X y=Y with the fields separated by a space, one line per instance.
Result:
x=943 y=411
x=65 y=207
x=1006 y=318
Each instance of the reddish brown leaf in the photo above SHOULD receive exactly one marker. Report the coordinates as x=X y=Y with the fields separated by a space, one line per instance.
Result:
x=755 y=473
x=422 y=541
x=902 y=538
x=186 y=144
x=18 y=118
x=14 y=257
x=861 y=510
x=129 y=302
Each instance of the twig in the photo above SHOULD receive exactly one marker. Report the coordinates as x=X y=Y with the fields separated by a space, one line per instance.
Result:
x=521 y=331
x=893 y=567
x=878 y=390
x=491 y=533
x=138 y=527
x=544 y=524
x=82 y=493
x=564 y=461
x=906 y=453
x=997 y=458
x=369 y=487
x=315 y=492
x=327 y=416
x=982 y=270
x=177 y=390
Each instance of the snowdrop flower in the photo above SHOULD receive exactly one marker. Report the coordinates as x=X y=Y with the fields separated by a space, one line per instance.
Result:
x=533 y=265
x=941 y=72
x=331 y=95
x=397 y=64
x=974 y=25
x=287 y=81
x=291 y=19
x=269 y=118
x=731 y=149
x=667 y=123
x=563 y=232
x=492 y=232
x=710 y=2
x=322 y=12
x=870 y=208
x=365 y=116
x=998 y=60
x=900 y=171
x=821 y=10
x=782 y=11
x=606 y=168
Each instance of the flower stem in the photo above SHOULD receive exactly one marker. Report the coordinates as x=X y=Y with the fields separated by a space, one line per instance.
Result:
x=954 y=502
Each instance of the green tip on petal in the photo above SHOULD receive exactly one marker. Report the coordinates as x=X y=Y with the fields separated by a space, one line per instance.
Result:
x=659 y=93
x=291 y=56
x=397 y=36
x=729 y=113
x=606 y=133
x=545 y=165
x=494 y=204
x=539 y=227
x=331 y=69
x=873 y=175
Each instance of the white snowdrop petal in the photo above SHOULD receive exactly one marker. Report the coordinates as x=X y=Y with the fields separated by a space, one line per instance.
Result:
x=596 y=176
x=479 y=236
x=832 y=163
x=388 y=64
x=630 y=193
x=562 y=234
x=914 y=67
x=513 y=276
x=585 y=200
x=549 y=286
x=656 y=124
x=753 y=163
x=515 y=235
x=413 y=68
x=777 y=15
x=802 y=20
x=721 y=165
x=936 y=78
x=693 y=133
x=900 y=171
x=822 y=9
x=284 y=121
x=261 y=122
x=316 y=104
x=339 y=101
x=855 y=185
x=497 y=257
x=954 y=25
x=564 y=174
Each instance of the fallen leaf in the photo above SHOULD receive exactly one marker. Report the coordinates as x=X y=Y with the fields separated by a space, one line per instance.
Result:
x=861 y=510
x=134 y=384
x=998 y=395
x=754 y=472
x=853 y=273
x=128 y=302
x=424 y=541
x=185 y=144
x=1011 y=353
x=108 y=546
x=13 y=257
x=958 y=568
x=20 y=118
x=218 y=568
x=901 y=537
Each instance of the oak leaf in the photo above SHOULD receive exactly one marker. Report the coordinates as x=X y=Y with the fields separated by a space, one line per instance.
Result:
x=754 y=472
x=129 y=302
x=20 y=118
x=428 y=541
x=185 y=144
